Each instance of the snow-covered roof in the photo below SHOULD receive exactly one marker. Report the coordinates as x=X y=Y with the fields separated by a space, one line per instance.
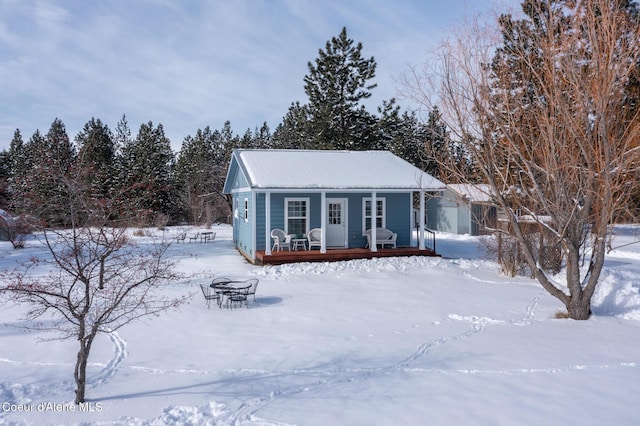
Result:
x=475 y=193
x=323 y=169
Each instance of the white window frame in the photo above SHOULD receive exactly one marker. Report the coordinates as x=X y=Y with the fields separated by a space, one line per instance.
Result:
x=246 y=210
x=383 y=216
x=307 y=200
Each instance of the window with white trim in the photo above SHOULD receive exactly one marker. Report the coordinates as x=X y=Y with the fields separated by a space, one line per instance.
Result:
x=246 y=210
x=296 y=215
x=381 y=210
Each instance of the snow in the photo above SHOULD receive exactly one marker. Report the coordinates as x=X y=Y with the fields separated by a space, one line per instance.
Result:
x=478 y=193
x=296 y=168
x=435 y=341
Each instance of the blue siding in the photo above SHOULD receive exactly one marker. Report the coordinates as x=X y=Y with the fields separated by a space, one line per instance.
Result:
x=235 y=178
x=278 y=213
x=398 y=217
x=243 y=230
x=355 y=220
x=260 y=221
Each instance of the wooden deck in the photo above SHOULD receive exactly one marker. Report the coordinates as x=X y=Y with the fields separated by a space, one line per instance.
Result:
x=333 y=255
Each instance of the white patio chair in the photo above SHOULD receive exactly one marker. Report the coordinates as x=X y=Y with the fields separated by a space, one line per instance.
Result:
x=314 y=237
x=280 y=240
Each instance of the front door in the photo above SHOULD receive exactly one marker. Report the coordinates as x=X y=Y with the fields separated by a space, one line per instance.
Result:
x=336 y=222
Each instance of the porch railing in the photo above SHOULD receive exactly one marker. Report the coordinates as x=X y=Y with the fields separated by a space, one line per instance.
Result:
x=430 y=240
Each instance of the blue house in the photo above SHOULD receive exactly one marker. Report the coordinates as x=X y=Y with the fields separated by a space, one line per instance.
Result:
x=299 y=190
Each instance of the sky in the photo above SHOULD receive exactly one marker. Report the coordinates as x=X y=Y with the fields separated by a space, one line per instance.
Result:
x=191 y=64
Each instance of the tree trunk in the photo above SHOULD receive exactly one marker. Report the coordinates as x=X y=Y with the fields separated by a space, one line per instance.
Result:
x=579 y=308
x=578 y=303
x=80 y=373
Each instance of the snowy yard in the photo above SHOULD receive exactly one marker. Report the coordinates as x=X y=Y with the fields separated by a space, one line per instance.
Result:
x=412 y=341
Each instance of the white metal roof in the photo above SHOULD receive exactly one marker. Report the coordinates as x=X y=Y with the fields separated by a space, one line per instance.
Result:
x=323 y=169
x=477 y=193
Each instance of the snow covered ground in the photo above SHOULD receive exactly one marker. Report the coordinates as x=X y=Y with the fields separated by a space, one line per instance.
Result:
x=412 y=341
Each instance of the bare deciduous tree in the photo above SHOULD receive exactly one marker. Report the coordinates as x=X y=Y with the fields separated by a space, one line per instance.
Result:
x=546 y=116
x=15 y=229
x=96 y=280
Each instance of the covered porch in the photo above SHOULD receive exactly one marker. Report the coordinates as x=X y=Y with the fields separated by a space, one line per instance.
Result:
x=333 y=255
x=427 y=248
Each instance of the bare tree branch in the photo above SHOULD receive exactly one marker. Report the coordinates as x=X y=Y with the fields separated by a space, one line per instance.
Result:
x=546 y=115
x=95 y=280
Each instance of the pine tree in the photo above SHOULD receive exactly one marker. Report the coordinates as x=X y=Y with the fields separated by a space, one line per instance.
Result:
x=48 y=162
x=262 y=137
x=336 y=85
x=17 y=167
x=96 y=158
x=195 y=176
x=5 y=178
x=294 y=132
x=406 y=137
x=147 y=174
x=61 y=152
x=16 y=153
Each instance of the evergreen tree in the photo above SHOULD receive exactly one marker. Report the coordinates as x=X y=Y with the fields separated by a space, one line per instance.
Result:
x=294 y=131
x=96 y=158
x=224 y=144
x=406 y=137
x=425 y=145
x=18 y=166
x=62 y=153
x=391 y=133
x=123 y=133
x=48 y=164
x=126 y=158
x=5 y=178
x=335 y=118
x=16 y=153
x=195 y=176
x=336 y=84
x=262 y=137
x=147 y=166
x=443 y=156
x=247 y=140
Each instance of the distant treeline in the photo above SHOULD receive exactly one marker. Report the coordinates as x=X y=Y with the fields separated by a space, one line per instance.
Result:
x=154 y=185
x=142 y=180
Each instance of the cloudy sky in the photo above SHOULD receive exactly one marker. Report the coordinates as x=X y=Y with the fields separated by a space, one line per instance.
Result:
x=190 y=64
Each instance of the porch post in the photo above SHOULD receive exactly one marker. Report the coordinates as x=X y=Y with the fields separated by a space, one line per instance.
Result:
x=374 y=221
x=267 y=223
x=254 y=229
x=421 y=218
x=323 y=222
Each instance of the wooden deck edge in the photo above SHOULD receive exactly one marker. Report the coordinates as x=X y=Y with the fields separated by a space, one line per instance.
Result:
x=336 y=255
